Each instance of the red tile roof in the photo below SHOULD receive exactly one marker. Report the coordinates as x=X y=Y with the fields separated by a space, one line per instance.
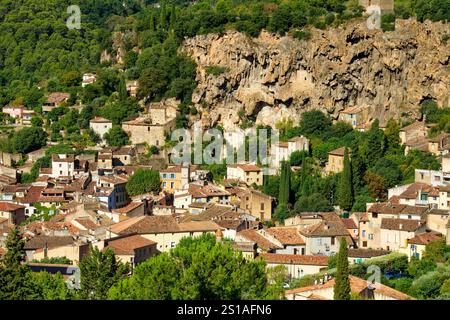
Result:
x=286 y=235
x=425 y=238
x=407 y=225
x=349 y=223
x=127 y=245
x=7 y=206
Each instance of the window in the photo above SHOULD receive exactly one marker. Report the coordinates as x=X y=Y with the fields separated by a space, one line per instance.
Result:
x=364 y=233
x=172 y=184
x=364 y=244
x=262 y=205
x=370 y=236
x=319 y=241
x=295 y=251
x=303 y=251
x=332 y=241
x=374 y=215
x=172 y=244
x=164 y=184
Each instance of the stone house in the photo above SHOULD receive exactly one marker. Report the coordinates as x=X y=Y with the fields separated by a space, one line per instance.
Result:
x=417 y=244
x=413 y=132
x=100 y=126
x=352 y=116
x=154 y=126
x=164 y=230
x=131 y=248
x=254 y=202
x=395 y=233
x=335 y=162
x=248 y=173
x=13 y=213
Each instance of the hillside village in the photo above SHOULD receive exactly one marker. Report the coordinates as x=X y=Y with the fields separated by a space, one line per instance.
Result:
x=353 y=202
x=81 y=200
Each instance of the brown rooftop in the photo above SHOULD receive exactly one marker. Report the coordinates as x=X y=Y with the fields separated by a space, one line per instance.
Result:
x=279 y=258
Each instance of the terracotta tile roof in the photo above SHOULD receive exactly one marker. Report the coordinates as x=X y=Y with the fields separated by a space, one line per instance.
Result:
x=160 y=224
x=130 y=207
x=38 y=242
x=412 y=192
x=209 y=190
x=349 y=223
x=127 y=245
x=366 y=253
x=386 y=208
x=425 y=238
x=407 y=225
x=325 y=229
x=361 y=216
x=57 y=97
x=357 y=285
x=295 y=259
x=246 y=167
x=7 y=206
x=262 y=242
x=351 y=110
x=313 y=296
x=87 y=223
x=337 y=152
x=229 y=224
x=440 y=212
x=214 y=212
x=414 y=126
x=286 y=235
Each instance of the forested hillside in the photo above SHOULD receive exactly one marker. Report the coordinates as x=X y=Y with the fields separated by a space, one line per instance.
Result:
x=39 y=54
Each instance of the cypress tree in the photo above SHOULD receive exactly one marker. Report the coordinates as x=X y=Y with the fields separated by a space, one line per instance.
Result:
x=173 y=18
x=123 y=93
x=342 y=281
x=345 y=188
x=285 y=183
x=163 y=18
x=152 y=22
x=14 y=275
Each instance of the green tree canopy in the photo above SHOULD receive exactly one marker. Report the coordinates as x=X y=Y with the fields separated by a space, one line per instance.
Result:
x=144 y=181
x=197 y=269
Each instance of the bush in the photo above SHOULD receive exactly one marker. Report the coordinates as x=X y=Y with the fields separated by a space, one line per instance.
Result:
x=215 y=70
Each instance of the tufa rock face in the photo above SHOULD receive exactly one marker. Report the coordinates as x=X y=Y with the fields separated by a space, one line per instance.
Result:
x=271 y=77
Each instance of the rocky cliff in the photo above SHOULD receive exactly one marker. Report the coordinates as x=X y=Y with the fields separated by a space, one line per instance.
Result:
x=387 y=74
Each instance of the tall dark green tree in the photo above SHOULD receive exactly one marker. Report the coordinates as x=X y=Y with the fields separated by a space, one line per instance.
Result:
x=99 y=272
x=15 y=281
x=358 y=170
x=345 y=187
x=342 y=281
x=285 y=183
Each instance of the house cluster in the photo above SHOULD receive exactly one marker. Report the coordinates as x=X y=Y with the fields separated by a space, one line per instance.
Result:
x=20 y=114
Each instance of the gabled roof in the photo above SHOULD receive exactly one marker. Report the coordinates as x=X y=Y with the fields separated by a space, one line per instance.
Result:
x=246 y=167
x=425 y=238
x=337 y=152
x=161 y=224
x=254 y=236
x=349 y=223
x=325 y=229
x=7 y=206
x=127 y=245
x=286 y=235
x=40 y=241
x=408 y=225
x=414 y=126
